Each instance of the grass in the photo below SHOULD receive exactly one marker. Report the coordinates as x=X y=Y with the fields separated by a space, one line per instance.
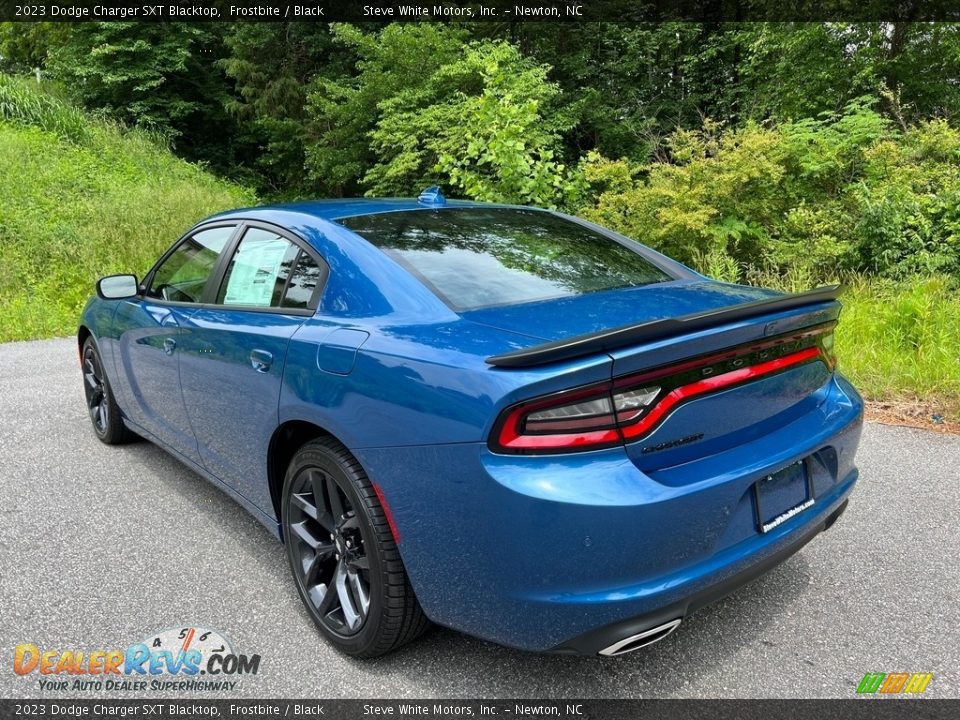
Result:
x=900 y=342
x=81 y=198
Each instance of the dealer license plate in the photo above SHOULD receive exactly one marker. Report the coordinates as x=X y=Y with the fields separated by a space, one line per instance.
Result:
x=782 y=495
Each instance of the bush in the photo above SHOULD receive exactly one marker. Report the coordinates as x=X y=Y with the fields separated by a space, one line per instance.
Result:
x=426 y=107
x=842 y=193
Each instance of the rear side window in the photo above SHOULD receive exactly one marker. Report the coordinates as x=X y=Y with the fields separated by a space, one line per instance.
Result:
x=269 y=271
x=184 y=274
x=306 y=276
x=477 y=257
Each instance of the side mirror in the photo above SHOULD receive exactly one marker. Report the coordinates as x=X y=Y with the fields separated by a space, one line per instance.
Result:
x=117 y=287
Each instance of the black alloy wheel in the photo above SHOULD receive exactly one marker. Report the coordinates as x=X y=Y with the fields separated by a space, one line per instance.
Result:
x=343 y=556
x=101 y=405
x=330 y=551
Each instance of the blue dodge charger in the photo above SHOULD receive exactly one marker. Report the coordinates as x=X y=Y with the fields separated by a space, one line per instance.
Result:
x=500 y=419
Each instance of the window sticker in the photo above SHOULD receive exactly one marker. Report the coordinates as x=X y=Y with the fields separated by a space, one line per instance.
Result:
x=256 y=267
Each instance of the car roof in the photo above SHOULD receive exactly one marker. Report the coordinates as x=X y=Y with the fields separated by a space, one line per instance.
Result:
x=389 y=287
x=332 y=210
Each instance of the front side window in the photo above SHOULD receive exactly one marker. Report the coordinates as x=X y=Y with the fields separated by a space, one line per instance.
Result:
x=184 y=274
x=269 y=271
x=476 y=257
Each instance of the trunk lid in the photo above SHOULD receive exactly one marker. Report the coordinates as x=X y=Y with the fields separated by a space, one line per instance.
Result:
x=593 y=312
x=722 y=377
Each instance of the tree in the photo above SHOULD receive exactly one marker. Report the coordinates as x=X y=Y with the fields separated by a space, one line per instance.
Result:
x=271 y=65
x=485 y=124
x=343 y=109
x=160 y=76
x=24 y=46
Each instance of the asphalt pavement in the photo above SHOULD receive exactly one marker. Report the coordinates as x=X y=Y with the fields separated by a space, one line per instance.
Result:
x=101 y=546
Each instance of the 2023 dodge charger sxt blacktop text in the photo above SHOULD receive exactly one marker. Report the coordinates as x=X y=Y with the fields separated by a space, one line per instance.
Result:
x=509 y=421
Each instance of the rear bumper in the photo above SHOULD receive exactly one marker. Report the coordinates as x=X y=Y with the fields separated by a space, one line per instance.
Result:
x=569 y=553
x=600 y=639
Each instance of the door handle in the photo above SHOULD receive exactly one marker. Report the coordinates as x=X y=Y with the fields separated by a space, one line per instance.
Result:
x=261 y=360
x=169 y=345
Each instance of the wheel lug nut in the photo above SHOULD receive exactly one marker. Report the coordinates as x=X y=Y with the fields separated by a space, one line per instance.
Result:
x=331 y=536
x=349 y=544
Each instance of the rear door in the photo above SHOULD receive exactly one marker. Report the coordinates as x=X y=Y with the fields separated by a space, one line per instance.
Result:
x=234 y=347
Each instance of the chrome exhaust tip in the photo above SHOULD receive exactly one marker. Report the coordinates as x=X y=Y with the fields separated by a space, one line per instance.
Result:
x=647 y=637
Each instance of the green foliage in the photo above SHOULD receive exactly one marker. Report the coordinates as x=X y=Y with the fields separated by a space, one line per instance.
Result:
x=345 y=109
x=840 y=193
x=481 y=124
x=293 y=105
x=22 y=104
x=24 y=45
x=78 y=204
x=426 y=107
x=271 y=65
x=159 y=76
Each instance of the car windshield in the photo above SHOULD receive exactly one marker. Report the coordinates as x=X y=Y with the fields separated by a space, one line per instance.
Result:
x=478 y=257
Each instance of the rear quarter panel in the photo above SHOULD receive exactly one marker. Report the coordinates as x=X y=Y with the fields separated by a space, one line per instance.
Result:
x=416 y=384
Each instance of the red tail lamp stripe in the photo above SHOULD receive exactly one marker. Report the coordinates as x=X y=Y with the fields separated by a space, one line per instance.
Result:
x=728 y=355
x=511 y=438
x=713 y=384
x=387 y=513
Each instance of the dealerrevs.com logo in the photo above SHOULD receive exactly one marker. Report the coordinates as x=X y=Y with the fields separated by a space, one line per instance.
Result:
x=187 y=659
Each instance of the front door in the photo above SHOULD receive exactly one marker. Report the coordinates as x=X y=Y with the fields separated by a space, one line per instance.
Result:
x=149 y=332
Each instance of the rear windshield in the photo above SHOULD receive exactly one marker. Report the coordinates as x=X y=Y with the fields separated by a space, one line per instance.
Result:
x=478 y=257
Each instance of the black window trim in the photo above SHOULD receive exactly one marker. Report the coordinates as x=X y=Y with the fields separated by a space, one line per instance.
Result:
x=217 y=276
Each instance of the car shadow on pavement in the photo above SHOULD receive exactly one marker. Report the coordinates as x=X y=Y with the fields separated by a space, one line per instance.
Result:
x=703 y=644
x=445 y=663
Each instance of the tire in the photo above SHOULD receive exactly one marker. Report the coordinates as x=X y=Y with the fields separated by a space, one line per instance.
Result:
x=347 y=570
x=105 y=415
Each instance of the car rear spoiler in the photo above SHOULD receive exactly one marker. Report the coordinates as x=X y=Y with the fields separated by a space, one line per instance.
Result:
x=607 y=340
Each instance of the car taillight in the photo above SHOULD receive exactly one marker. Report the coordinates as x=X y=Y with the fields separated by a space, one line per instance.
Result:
x=627 y=408
x=569 y=420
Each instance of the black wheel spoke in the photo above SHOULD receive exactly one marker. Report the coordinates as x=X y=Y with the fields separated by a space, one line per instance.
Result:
x=344 y=585
x=303 y=502
x=351 y=523
x=301 y=530
x=333 y=498
x=326 y=603
x=318 y=487
x=321 y=596
x=361 y=592
x=322 y=553
x=359 y=563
